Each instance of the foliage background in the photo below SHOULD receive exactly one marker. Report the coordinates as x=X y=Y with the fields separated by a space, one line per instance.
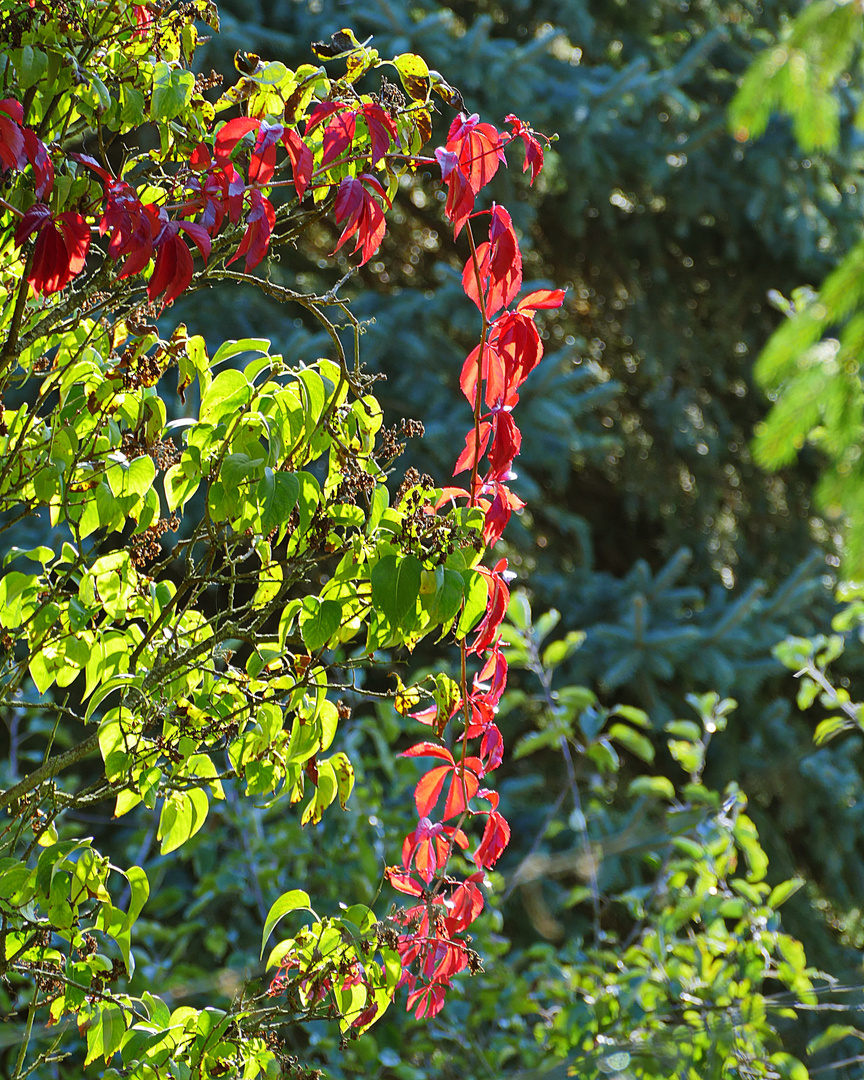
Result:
x=651 y=528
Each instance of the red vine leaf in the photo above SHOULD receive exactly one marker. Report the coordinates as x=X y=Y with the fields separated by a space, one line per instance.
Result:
x=362 y=214
x=62 y=243
x=499 y=266
x=301 y=161
x=542 y=298
x=259 y=227
x=382 y=131
x=429 y=788
x=533 y=149
x=474 y=448
x=11 y=136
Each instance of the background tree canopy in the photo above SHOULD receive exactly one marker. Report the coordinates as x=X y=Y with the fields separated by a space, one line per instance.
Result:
x=663 y=787
x=651 y=527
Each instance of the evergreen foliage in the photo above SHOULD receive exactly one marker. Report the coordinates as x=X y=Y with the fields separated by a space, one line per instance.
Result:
x=673 y=233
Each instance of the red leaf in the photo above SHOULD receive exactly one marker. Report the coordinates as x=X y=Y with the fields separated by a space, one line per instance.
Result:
x=506 y=444
x=429 y=1000
x=382 y=131
x=338 y=136
x=428 y=845
x=428 y=749
x=464 y=906
x=320 y=113
x=533 y=149
x=498 y=512
x=361 y=213
x=473 y=452
x=366 y=1017
x=494 y=672
x=542 y=298
x=499 y=262
x=132 y=227
x=492 y=372
x=43 y=167
x=143 y=19
x=491 y=748
x=262 y=159
x=518 y=340
x=228 y=136
x=200 y=237
x=262 y=163
x=173 y=269
x=496 y=609
x=496 y=837
x=459 y=792
x=479 y=148
x=200 y=158
x=448 y=959
x=429 y=788
x=450 y=494
x=93 y=164
x=211 y=194
x=402 y=881
x=460 y=194
x=13 y=108
x=301 y=161
x=62 y=243
x=32 y=221
x=259 y=227
x=11 y=136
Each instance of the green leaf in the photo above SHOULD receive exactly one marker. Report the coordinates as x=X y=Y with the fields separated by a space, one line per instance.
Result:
x=122 y=681
x=826 y=730
x=325 y=793
x=634 y=715
x=559 y=651
x=277 y=495
x=172 y=91
x=31 y=67
x=659 y=787
x=344 y=773
x=183 y=814
x=295 y=900
x=396 y=587
x=133 y=477
x=319 y=621
x=684 y=729
x=140 y=890
x=781 y=893
x=379 y=503
x=315 y=396
x=225 y=396
x=237 y=473
x=747 y=838
x=634 y=741
x=476 y=598
x=42 y=675
x=688 y=755
x=448 y=596
x=244 y=345
x=132 y=114
x=832 y=1035
x=414 y=74
x=790 y=1068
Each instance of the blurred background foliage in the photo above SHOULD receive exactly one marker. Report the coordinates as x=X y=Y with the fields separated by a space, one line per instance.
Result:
x=649 y=527
x=676 y=563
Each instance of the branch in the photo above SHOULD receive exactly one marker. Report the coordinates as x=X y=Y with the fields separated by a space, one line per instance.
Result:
x=49 y=770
